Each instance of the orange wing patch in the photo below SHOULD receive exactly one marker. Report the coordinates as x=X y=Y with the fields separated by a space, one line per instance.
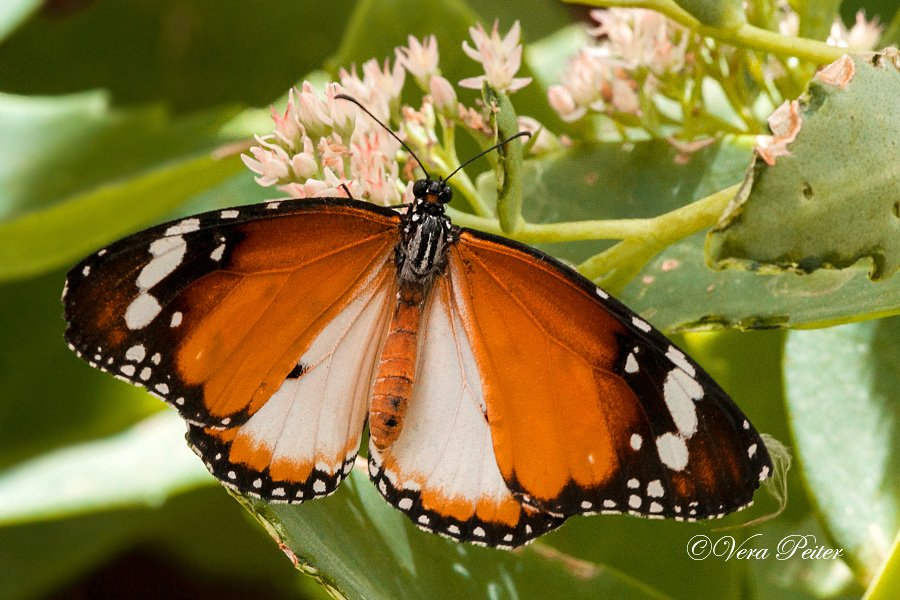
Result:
x=211 y=313
x=440 y=468
x=303 y=440
x=590 y=408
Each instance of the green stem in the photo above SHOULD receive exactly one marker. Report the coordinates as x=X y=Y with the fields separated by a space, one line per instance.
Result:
x=746 y=36
x=615 y=267
x=641 y=239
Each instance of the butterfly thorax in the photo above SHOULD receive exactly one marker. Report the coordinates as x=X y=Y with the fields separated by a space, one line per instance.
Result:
x=426 y=232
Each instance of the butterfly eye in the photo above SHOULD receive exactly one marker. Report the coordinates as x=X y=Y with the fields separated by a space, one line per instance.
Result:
x=445 y=195
x=420 y=188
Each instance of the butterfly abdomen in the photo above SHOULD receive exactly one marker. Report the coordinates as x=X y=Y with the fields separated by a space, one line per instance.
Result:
x=397 y=369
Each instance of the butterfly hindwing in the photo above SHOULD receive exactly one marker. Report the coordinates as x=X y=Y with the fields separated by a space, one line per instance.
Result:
x=591 y=409
x=303 y=441
x=441 y=470
x=212 y=312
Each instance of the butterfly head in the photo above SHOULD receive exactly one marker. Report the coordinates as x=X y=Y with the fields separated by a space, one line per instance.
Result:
x=432 y=191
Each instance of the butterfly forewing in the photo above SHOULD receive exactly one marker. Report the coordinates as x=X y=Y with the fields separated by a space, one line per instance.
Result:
x=590 y=408
x=212 y=313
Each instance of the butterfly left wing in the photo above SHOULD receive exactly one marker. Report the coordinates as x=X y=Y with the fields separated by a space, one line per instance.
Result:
x=590 y=408
x=235 y=318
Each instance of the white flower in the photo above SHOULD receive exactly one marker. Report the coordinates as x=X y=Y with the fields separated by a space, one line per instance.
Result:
x=420 y=59
x=501 y=59
x=269 y=161
x=863 y=35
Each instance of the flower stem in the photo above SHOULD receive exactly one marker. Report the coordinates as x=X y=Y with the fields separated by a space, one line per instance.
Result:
x=745 y=36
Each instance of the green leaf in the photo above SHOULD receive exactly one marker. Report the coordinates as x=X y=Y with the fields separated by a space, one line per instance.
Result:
x=360 y=547
x=49 y=397
x=887 y=581
x=188 y=55
x=844 y=406
x=833 y=200
x=728 y=14
x=76 y=175
x=676 y=291
x=203 y=534
x=141 y=466
x=14 y=12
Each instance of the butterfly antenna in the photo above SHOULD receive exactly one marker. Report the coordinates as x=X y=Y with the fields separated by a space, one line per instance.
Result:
x=386 y=128
x=504 y=142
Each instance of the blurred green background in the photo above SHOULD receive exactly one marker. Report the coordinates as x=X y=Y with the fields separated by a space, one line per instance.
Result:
x=102 y=100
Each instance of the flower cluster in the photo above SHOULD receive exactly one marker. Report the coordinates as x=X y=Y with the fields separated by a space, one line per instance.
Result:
x=325 y=146
x=639 y=60
x=635 y=48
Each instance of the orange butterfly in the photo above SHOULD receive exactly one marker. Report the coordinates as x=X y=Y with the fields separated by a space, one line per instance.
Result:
x=504 y=392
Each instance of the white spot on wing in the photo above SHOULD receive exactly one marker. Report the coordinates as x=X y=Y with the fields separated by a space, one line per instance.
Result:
x=136 y=353
x=145 y=373
x=751 y=451
x=634 y=484
x=634 y=501
x=656 y=507
x=631 y=364
x=640 y=323
x=176 y=319
x=167 y=254
x=679 y=392
x=128 y=370
x=86 y=270
x=216 y=254
x=636 y=441
x=405 y=503
x=602 y=294
x=655 y=489
x=141 y=311
x=162 y=388
x=319 y=486
x=609 y=503
x=672 y=451
x=680 y=360
x=229 y=214
x=185 y=226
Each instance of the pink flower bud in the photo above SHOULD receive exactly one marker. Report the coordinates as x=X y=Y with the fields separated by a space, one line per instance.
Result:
x=444 y=95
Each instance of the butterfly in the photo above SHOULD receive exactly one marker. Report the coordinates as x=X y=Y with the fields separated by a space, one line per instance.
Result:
x=503 y=391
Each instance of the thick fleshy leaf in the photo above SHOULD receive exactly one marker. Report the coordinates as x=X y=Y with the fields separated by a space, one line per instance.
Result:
x=676 y=291
x=728 y=14
x=14 y=12
x=76 y=175
x=187 y=55
x=844 y=406
x=141 y=466
x=358 y=545
x=830 y=198
x=203 y=535
x=48 y=397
